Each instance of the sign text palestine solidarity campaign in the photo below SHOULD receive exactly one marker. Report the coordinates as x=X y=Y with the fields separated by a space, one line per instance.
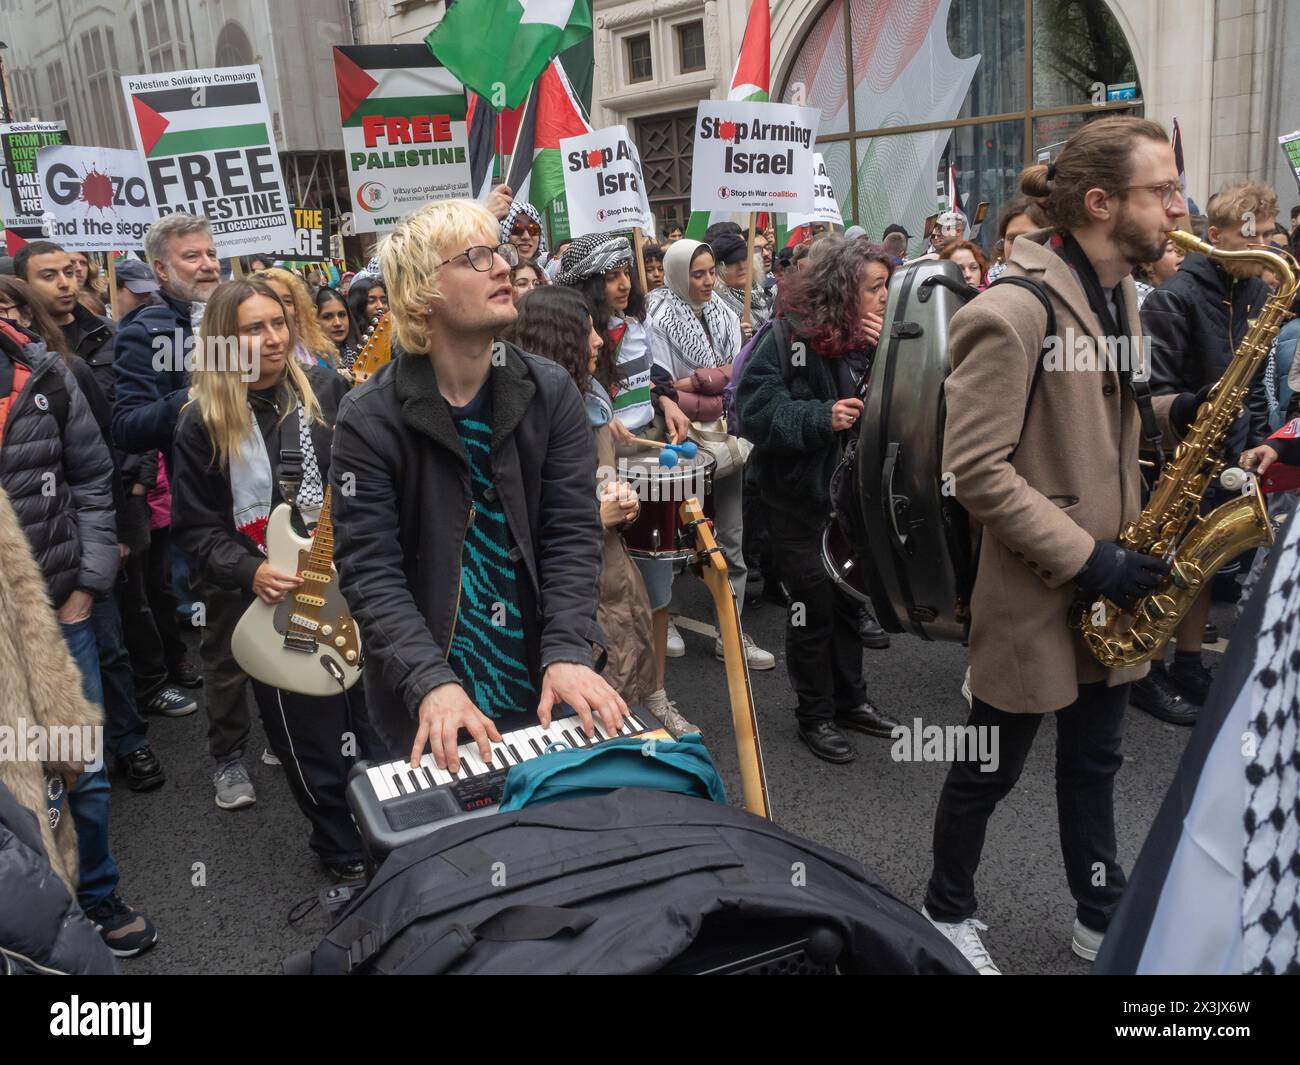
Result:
x=763 y=160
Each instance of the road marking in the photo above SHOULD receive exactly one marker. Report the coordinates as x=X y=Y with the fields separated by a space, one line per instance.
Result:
x=691 y=625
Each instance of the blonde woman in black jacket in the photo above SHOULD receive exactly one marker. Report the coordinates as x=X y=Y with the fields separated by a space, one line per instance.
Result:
x=224 y=487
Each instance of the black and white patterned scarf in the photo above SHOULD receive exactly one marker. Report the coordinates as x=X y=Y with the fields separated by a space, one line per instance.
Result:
x=595 y=253
x=1270 y=899
x=252 y=476
x=517 y=208
x=685 y=329
x=760 y=303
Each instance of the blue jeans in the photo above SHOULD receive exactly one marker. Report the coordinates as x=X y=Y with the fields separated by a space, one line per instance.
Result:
x=88 y=800
x=124 y=728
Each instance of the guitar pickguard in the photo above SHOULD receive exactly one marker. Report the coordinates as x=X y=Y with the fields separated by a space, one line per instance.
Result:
x=337 y=628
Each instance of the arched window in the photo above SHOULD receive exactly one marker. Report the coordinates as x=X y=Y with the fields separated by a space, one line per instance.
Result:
x=966 y=89
x=233 y=49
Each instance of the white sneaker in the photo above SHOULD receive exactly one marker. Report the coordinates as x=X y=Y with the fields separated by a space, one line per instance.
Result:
x=268 y=758
x=666 y=711
x=754 y=655
x=676 y=645
x=965 y=689
x=965 y=936
x=1086 y=942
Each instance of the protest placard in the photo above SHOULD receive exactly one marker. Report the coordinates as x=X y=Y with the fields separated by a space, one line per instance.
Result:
x=603 y=182
x=826 y=207
x=96 y=199
x=1290 y=145
x=314 y=228
x=206 y=140
x=19 y=143
x=404 y=136
x=753 y=157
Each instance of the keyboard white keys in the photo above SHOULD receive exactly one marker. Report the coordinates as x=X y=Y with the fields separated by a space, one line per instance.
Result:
x=378 y=781
x=470 y=754
x=440 y=776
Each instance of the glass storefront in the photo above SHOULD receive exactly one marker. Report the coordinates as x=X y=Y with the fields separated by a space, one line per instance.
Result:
x=982 y=86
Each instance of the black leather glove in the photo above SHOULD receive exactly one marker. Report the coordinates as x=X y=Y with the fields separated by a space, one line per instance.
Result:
x=1121 y=575
x=1183 y=410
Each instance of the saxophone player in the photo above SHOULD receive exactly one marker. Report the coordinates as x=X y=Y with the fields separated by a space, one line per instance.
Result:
x=1051 y=515
x=1194 y=322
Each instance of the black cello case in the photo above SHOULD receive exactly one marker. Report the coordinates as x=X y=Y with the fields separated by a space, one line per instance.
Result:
x=918 y=539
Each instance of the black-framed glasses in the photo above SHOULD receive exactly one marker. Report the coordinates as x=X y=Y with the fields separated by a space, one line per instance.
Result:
x=518 y=229
x=1167 y=189
x=481 y=256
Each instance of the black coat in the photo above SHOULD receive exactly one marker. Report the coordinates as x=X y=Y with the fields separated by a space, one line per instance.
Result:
x=92 y=337
x=1193 y=323
x=42 y=929
x=402 y=500
x=786 y=413
x=58 y=478
x=203 y=520
x=149 y=400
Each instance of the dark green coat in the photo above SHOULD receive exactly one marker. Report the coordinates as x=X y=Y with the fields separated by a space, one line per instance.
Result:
x=789 y=423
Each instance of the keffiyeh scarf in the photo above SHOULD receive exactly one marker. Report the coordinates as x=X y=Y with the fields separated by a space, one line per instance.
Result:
x=685 y=330
x=596 y=253
x=251 y=477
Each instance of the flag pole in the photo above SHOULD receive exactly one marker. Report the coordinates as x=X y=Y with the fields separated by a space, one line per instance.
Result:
x=638 y=245
x=112 y=285
x=749 y=274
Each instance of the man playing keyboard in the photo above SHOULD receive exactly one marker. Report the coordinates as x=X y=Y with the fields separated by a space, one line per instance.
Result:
x=468 y=535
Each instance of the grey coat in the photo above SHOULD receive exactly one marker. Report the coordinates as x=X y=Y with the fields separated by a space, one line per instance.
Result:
x=59 y=479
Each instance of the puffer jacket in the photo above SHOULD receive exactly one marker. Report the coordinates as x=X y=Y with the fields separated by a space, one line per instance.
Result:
x=1193 y=324
x=42 y=929
x=60 y=482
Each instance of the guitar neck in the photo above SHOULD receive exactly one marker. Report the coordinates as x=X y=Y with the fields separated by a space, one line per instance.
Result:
x=322 y=541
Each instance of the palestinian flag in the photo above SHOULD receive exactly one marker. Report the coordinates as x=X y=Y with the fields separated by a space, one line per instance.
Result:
x=394 y=81
x=750 y=81
x=170 y=122
x=502 y=46
x=536 y=175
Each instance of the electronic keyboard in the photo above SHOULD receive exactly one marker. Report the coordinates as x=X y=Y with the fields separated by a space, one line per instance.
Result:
x=394 y=805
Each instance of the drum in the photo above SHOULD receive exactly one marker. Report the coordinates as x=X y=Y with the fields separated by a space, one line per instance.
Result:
x=662 y=490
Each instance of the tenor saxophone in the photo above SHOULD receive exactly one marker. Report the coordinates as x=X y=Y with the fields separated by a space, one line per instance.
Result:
x=1171 y=526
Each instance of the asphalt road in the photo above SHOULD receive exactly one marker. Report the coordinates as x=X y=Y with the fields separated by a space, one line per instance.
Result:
x=220 y=884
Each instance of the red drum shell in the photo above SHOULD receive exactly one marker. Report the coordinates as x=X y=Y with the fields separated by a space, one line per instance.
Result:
x=662 y=490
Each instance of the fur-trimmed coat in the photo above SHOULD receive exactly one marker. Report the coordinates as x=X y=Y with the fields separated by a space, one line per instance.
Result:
x=41 y=686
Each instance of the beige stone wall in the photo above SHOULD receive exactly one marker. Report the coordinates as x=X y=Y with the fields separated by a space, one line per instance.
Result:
x=1229 y=70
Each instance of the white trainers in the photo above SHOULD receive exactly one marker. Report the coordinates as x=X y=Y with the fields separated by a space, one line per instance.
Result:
x=268 y=758
x=965 y=936
x=666 y=711
x=754 y=655
x=1086 y=942
x=676 y=645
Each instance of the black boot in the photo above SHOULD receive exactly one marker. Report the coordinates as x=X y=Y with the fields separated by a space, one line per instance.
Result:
x=867 y=719
x=873 y=636
x=1156 y=694
x=1191 y=678
x=142 y=769
x=827 y=742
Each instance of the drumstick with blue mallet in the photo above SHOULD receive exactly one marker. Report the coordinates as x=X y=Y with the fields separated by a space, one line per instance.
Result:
x=670 y=453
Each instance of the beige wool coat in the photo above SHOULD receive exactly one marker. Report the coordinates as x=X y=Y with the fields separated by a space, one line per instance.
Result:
x=624 y=611
x=1074 y=480
x=39 y=685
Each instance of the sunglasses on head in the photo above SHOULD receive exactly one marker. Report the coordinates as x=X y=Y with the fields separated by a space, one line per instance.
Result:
x=520 y=228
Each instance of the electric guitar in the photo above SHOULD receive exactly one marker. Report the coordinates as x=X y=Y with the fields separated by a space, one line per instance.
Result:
x=711 y=564
x=308 y=642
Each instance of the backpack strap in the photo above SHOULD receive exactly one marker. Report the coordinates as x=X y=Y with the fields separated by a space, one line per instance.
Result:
x=1048 y=331
x=785 y=350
